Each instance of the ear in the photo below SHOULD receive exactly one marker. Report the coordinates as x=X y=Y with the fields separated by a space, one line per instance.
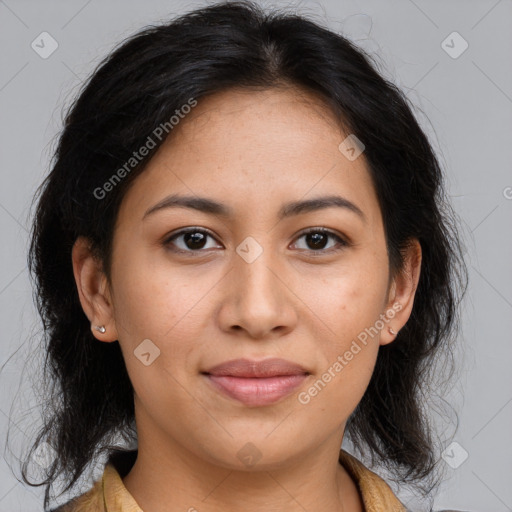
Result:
x=93 y=290
x=401 y=293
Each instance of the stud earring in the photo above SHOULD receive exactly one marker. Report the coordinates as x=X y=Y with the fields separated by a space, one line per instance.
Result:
x=391 y=331
x=100 y=328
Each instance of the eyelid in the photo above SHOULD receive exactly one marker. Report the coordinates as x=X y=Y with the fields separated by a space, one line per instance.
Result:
x=342 y=240
x=183 y=231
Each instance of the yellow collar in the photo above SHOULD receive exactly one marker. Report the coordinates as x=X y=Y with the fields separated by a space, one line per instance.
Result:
x=376 y=493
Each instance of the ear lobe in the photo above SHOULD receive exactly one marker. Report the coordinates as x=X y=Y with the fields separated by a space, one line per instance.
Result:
x=93 y=290
x=402 y=292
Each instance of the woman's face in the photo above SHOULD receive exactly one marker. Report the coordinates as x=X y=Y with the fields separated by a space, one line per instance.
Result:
x=250 y=284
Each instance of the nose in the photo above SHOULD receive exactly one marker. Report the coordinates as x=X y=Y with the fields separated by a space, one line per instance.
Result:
x=257 y=300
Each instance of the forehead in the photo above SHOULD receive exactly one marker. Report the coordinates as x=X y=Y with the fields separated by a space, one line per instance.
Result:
x=257 y=116
x=252 y=148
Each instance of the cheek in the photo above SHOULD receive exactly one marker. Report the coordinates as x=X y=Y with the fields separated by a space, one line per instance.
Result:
x=349 y=304
x=332 y=397
x=161 y=323
x=158 y=301
x=348 y=363
x=164 y=318
x=346 y=301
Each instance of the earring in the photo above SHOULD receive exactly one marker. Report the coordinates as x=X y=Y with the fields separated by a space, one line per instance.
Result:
x=100 y=328
x=391 y=331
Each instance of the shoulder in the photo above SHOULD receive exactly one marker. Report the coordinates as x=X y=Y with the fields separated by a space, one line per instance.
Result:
x=118 y=465
x=376 y=493
x=90 y=501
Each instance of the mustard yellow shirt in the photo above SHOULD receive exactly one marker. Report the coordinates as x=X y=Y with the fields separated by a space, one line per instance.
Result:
x=109 y=494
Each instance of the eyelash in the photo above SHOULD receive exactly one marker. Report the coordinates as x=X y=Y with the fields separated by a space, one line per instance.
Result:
x=341 y=242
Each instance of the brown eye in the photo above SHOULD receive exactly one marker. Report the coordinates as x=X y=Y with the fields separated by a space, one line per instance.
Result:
x=317 y=240
x=189 y=240
x=194 y=240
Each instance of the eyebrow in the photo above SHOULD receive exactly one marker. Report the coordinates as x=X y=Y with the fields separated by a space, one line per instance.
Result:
x=209 y=206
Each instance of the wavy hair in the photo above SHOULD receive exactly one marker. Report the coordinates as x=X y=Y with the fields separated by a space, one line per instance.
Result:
x=139 y=86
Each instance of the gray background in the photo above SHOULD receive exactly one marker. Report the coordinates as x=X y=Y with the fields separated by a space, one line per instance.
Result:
x=464 y=104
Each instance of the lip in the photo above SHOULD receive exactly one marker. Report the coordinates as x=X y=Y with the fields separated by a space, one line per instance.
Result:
x=256 y=383
x=272 y=367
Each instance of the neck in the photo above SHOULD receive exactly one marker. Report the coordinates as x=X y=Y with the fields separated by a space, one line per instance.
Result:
x=179 y=480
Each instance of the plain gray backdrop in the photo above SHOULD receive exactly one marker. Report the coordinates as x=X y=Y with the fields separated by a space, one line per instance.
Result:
x=464 y=100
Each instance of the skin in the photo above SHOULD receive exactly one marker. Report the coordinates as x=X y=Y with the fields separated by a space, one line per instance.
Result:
x=251 y=151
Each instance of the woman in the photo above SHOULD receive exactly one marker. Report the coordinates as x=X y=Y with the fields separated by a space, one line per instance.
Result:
x=243 y=258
